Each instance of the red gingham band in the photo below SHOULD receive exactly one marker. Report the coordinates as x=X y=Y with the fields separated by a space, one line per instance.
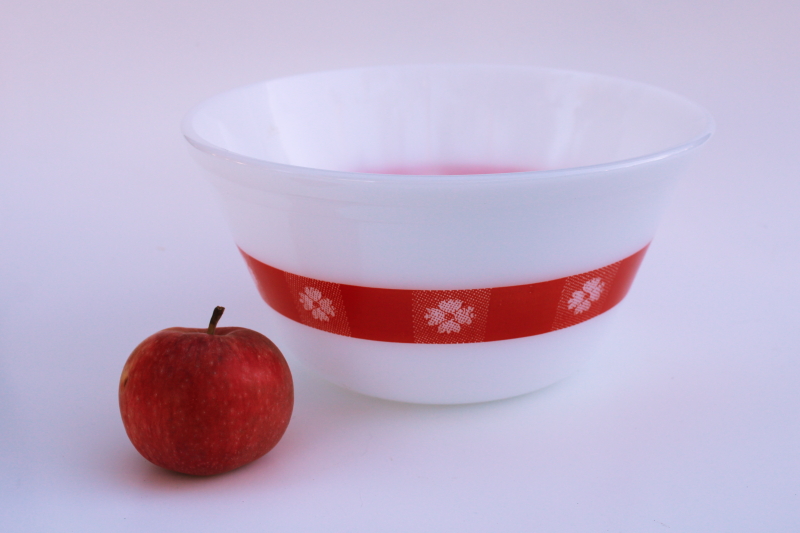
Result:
x=447 y=316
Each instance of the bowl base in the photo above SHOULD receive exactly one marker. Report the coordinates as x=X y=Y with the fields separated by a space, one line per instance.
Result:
x=445 y=373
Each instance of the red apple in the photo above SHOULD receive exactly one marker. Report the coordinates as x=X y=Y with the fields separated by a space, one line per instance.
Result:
x=205 y=401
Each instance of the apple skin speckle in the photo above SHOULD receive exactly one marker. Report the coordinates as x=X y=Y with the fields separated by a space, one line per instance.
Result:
x=205 y=404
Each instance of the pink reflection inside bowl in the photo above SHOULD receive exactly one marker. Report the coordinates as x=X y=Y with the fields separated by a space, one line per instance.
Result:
x=447 y=170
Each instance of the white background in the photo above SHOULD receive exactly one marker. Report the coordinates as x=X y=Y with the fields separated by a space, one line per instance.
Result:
x=688 y=420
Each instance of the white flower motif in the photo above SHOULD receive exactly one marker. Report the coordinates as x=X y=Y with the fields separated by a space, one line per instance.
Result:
x=450 y=316
x=582 y=300
x=321 y=308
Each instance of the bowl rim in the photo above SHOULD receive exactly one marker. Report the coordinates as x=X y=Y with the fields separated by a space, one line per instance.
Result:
x=217 y=152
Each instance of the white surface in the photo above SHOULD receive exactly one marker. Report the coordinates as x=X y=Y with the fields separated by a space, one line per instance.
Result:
x=687 y=422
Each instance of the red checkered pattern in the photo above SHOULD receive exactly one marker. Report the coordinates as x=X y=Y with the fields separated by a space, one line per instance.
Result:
x=450 y=317
x=319 y=304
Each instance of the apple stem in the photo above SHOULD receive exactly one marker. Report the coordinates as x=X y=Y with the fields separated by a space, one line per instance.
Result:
x=215 y=316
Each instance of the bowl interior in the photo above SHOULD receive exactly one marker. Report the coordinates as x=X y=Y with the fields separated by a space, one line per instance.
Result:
x=446 y=120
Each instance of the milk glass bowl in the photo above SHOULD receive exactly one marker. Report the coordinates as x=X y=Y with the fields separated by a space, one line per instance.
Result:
x=444 y=234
